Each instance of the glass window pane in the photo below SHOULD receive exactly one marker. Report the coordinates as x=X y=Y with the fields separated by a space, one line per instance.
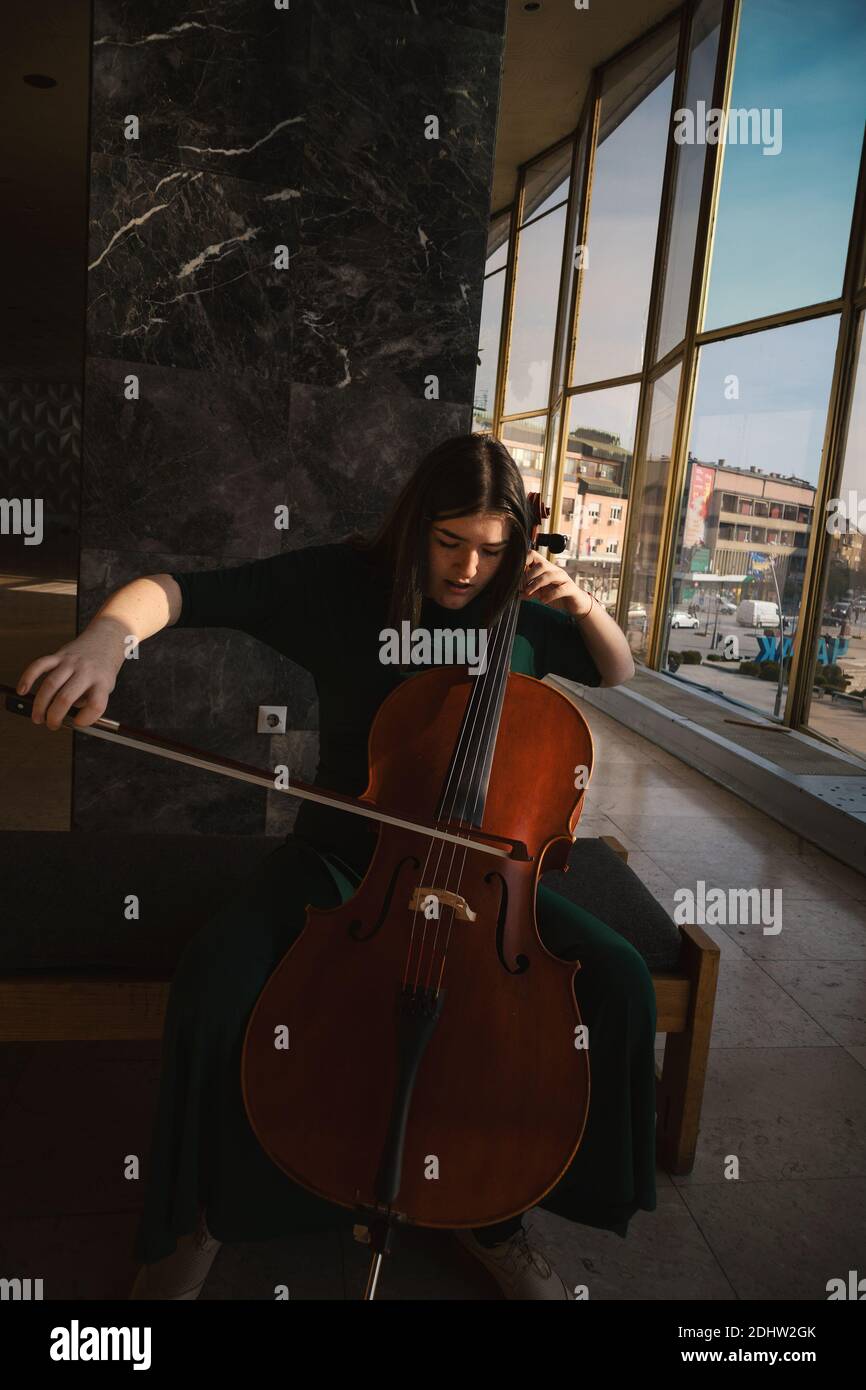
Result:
x=616 y=271
x=838 y=701
x=524 y=440
x=497 y=241
x=788 y=182
x=550 y=454
x=595 y=488
x=739 y=560
x=562 y=368
x=488 y=350
x=651 y=503
x=547 y=182
x=688 y=178
x=539 y=263
x=498 y=260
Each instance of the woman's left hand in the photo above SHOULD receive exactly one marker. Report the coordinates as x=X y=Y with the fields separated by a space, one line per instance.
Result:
x=550 y=584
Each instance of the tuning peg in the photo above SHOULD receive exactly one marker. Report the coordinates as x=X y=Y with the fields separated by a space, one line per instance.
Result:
x=554 y=541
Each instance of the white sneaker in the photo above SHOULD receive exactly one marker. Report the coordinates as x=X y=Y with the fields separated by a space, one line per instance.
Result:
x=520 y=1270
x=180 y=1276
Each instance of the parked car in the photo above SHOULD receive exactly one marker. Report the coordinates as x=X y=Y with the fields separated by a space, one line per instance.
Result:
x=754 y=612
x=685 y=620
x=725 y=606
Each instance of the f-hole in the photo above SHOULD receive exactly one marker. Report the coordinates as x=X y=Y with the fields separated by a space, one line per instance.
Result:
x=522 y=962
x=356 y=927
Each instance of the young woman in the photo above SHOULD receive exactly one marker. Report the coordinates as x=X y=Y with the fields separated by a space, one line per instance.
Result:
x=453 y=553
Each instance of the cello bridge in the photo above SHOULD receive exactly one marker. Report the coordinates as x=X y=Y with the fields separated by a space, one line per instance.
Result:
x=431 y=900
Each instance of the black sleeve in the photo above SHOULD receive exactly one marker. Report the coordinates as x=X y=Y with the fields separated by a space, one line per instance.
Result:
x=279 y=600
x=557 y=644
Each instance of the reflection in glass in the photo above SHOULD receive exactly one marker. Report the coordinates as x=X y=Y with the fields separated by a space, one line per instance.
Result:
x=524 y=440
x=488 y=348
x=539 y=263
x=788 y=182
x=547 y=182
x=652 y=492
x=838 y=700
x=616 y=273
x=746 y=510
x=563 y=347
x=497 y=241
x=595 y=488
x=688 y=178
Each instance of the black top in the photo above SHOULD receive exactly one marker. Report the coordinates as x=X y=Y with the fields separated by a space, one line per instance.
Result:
x=325 y=607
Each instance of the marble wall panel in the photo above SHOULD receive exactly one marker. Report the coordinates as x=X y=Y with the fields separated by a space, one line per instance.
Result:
x=488 y=15
x=219 y=87
x=391 y=264
x=182 y=270
x=196 y=465
x=350 y=451
x=123 y=789
x=308 y=385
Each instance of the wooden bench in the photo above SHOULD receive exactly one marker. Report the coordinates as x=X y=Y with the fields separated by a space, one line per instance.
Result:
x=67 y=974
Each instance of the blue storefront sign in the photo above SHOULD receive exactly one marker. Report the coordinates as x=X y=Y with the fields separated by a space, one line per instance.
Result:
x=771 y=649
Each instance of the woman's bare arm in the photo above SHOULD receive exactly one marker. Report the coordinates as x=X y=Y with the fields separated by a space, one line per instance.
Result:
x=83 y=672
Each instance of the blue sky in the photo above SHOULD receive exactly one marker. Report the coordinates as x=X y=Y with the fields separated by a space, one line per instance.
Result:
x=783 y=220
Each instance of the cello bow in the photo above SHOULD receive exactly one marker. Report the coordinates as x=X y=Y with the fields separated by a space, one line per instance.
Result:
x=452 y=832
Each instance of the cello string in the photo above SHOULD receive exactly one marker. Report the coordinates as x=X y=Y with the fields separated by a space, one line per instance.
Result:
x=457 y=767
x=466 y=734
x=488 y=740
x=454 y=766
x=489 y=702
x=503 y=640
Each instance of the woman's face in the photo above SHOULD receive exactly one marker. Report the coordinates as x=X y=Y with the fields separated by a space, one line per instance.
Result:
x=463 y=554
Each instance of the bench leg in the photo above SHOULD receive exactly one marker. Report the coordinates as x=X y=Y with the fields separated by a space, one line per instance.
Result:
x=680 y=1088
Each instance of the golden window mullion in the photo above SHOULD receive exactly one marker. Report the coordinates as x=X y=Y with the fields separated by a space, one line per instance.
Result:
x=653 y=315
x=594 y=110
x=723 y=82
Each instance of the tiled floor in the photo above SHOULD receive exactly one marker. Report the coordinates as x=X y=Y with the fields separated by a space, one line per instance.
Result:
x=785 y=1100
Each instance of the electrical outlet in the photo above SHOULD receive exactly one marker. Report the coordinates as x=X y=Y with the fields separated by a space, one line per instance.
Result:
x=272 y=719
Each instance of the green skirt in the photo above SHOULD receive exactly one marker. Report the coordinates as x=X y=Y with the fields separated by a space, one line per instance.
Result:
x=204 y=1152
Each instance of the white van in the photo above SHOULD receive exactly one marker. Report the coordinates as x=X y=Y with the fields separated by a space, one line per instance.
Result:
x=754 y=612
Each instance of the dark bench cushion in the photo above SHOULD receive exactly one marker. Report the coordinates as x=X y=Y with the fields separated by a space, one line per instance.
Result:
x=62 y=898
x=598 y=881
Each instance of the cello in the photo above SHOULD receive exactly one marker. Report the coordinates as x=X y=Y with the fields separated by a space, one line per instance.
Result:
x=436 y=1073
x=417 y=1055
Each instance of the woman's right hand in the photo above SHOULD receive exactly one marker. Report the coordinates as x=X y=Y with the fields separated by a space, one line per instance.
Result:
x=82 y=672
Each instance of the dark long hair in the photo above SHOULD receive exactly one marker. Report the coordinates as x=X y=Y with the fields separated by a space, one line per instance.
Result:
x=464 y=475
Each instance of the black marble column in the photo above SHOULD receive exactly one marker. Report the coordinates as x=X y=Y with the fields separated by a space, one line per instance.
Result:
x=260 y=383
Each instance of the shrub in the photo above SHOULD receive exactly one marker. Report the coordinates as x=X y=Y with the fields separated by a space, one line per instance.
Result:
x=749 y=668
x=691 y=657
x=715 y=656
x=768 y=670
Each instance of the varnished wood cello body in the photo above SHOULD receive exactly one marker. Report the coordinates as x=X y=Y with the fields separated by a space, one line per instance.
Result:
x=435 y=1071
